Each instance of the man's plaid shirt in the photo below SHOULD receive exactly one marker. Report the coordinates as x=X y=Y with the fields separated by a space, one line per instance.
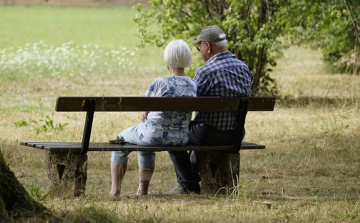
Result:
x=223 y=75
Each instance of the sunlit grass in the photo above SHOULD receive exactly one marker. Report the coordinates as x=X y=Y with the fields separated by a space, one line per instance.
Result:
x=106 y=27
x=302 y=74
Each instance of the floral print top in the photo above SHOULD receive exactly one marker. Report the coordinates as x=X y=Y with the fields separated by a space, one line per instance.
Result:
x=168 y=128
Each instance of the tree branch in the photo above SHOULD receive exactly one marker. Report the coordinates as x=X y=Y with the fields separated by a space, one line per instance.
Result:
x=353 y=20
x=248 y=12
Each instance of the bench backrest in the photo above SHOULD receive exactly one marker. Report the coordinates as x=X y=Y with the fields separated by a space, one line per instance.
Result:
x=126 y=104
x=116 y=104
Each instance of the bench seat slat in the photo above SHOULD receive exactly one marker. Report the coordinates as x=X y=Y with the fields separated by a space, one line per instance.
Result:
x=76 y=147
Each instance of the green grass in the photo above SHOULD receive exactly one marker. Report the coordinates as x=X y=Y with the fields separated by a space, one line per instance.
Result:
x=108 y=27
x=59 y=41
x=310 y=171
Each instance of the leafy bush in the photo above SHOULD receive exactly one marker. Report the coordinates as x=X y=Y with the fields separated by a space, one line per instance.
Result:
x=47 y=124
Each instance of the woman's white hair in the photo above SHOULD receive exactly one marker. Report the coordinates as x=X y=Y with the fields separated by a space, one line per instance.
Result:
x=177 y=54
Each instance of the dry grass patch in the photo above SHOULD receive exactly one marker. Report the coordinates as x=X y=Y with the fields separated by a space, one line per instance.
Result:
x=310 y=171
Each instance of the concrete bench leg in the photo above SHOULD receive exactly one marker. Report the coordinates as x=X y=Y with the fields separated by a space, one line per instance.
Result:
x=67 y=174
x=219 y=171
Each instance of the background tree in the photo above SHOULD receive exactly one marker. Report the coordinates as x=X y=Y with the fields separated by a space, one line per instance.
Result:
x=329 y=25
x=251 y=28
x=258 y=30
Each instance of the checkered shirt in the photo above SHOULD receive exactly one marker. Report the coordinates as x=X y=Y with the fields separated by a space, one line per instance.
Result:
x=223 y=75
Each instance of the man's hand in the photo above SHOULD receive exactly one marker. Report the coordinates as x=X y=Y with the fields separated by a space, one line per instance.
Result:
x=144 y=115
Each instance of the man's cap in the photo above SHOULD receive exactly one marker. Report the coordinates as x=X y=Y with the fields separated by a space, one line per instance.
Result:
x=210 y=34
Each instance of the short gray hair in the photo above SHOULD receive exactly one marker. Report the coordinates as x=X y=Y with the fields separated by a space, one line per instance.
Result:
x=177 y=54
x=222 y=43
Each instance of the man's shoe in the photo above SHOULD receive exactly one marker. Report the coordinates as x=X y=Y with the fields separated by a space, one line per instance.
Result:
x=176 y=190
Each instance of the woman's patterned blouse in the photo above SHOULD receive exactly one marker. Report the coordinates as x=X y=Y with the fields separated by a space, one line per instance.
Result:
x=168 y=128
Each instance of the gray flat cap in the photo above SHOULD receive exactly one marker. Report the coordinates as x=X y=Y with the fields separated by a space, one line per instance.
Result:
x=210 y=34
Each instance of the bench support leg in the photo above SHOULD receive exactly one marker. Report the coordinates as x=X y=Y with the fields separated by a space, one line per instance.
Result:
x=67 y=174
x=219 y=171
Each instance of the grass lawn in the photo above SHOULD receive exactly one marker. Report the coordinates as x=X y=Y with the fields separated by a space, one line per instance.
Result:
x=310 y=171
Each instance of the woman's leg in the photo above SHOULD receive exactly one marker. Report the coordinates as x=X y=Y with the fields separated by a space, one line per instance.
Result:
x=119 y=161
x=146 y=161
x=131 y=135
x=118 y=169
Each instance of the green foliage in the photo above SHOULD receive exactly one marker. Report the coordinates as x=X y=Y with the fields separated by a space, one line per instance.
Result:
x=326 y=25
x=47 y=124
x=21 y=123
x=251 y=27
x=258 y=31
x=36 y=193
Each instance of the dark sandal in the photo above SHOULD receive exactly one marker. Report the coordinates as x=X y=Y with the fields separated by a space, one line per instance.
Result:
x=118 y=140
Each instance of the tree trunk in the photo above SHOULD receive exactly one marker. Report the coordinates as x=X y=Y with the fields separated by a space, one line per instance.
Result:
x=15 y=202
x=219 y=171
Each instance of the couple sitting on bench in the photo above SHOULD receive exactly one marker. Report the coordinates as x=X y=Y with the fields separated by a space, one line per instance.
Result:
x=222 y=75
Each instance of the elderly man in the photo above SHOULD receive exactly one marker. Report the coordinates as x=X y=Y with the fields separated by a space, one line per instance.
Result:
x=223 y=75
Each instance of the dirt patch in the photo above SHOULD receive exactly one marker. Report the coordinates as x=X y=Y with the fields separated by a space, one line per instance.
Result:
x=71 y=3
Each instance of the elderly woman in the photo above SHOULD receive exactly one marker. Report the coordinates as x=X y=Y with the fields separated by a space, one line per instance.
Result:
x=158 y=128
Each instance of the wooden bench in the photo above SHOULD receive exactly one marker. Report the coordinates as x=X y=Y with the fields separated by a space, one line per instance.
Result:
x=219 y=166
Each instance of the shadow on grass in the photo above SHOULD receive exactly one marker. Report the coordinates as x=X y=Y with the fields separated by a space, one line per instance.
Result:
x=323 y=165
x=317 y=101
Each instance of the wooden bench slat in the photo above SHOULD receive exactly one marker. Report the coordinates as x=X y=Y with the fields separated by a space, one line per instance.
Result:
x=76 y=146
x=117 y=104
